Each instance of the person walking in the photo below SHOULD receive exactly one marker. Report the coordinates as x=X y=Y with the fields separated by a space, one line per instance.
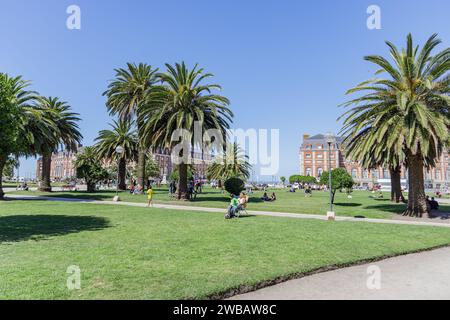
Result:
x=150 y=196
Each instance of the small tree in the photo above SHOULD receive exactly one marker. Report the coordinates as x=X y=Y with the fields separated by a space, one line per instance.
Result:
x=234 y=186
x=89 y=168
x=283 y=180
x=302 y=179
x=340 y=179
x=152 y=168
x=175 y=175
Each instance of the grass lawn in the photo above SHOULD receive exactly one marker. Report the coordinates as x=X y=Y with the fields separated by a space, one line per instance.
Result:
x=140 y=253
x=361 y=203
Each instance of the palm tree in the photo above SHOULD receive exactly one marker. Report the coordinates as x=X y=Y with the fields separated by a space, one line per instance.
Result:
x=66 y=132
x=125 y=95
x=372 y=152
x=15 y=108
x=181 y=102
x=233 y=164
x=122 y=135
x=409 y=109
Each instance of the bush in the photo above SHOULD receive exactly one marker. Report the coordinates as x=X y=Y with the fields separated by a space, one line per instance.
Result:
x=234 y=186
x=302 y=179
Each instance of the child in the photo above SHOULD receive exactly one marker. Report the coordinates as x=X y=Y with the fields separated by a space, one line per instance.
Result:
x=150 y=196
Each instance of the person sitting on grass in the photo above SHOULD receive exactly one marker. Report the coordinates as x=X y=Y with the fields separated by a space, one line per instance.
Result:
x=308 y=192
x=232 y=208
x=434 y=205
x=273 y=197
x=243 y=200
x=265 y=197
x=150 y=196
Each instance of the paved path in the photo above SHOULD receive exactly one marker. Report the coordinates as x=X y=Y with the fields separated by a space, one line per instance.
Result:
x=423 y=275
x=437 y=223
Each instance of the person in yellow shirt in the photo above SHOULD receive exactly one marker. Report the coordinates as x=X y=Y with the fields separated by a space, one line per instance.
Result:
x=150 y=196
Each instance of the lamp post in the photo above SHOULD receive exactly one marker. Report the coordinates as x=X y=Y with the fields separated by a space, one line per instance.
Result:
x=330 y=139
x=119 y=152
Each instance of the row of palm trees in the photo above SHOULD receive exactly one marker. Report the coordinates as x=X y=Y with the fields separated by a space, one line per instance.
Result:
x=157 y=104
x=402 y=120
x=33 y=125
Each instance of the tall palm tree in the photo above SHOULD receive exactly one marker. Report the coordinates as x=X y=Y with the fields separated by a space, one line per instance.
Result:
x=15 y=108
x=409 y=109
x=66 y=132
x=125 y=95
x=122 y=135
x=233 y=164
x=180 y=102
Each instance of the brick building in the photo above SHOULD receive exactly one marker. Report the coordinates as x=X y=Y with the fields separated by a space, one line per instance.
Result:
x=62 y=164
x=314 y=160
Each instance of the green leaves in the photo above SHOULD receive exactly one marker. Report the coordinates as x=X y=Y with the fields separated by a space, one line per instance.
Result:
x=406 y=113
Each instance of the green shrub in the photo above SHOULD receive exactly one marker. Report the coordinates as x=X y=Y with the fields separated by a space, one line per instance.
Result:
x=234 y=186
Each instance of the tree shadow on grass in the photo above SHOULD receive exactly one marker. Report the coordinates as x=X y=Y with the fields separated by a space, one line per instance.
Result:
x=393 y=208
x=82 y=195
x=348 y=204
x=40 y=227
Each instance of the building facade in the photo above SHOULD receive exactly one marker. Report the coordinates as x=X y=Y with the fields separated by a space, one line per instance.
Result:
x=314 y=152
x=62 y=166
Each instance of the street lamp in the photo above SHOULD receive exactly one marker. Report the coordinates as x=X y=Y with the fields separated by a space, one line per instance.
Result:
x=119 y=152
x=330 y=139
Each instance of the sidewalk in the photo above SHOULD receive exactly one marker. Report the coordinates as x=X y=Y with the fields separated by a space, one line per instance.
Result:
x=424 y=275
x=442 y=223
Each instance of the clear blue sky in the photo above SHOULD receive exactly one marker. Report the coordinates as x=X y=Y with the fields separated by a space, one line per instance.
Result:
x=283 y=64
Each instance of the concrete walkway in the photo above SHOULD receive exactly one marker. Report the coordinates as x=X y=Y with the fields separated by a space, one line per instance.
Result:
x=435 y=223
x=423 y=275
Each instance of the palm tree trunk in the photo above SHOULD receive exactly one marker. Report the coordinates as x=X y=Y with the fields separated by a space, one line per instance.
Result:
x=417 y=203
x=122 y=174
x=90 y=186
x=182 y=182
x=45 y=175
x=141 y=167
x=2 y=165
x=396 y=186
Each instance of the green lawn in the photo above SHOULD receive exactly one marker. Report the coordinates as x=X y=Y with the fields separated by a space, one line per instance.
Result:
x=141 y=253
x=361 y=203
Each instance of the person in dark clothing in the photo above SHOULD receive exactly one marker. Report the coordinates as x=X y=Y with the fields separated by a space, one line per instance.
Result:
x=434 y=205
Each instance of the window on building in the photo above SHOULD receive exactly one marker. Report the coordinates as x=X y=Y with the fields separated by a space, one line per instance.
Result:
x=365 y=174
x=437 y=174
x=308 y=155
x=354 y=173
x=319 y=172
x=319 y=156
x=375 y=174
x=308 y=172
x=386 y=174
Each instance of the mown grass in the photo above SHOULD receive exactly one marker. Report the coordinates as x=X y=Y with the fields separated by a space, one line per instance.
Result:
x=362 y=203
x=147 y=253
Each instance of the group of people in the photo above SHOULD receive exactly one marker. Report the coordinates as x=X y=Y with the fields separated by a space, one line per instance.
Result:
x=266 y=198
x=237 y=204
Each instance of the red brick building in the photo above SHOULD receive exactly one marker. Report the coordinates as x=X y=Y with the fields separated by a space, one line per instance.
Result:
x=314 y=160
